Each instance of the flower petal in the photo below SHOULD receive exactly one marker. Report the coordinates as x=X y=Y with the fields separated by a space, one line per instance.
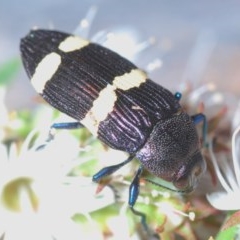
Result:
x=224 y=201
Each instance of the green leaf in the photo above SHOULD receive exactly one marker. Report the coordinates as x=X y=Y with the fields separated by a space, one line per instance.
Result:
x=230 y=228
x=8 y=70
x=232 y=221
x=229 y=233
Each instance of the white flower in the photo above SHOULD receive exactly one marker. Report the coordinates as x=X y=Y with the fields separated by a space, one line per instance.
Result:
x=39 y=199
x=124 y=40
x=229 y=177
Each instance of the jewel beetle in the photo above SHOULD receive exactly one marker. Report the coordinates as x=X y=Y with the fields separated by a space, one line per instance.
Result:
x=117 y=103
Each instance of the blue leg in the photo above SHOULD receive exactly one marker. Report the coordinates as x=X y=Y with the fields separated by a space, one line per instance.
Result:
x=62 y=125
x=198 y=118
x=110 y=169
x=67 y=125
x=133 y=195
x=178 y=96
x=133 y=191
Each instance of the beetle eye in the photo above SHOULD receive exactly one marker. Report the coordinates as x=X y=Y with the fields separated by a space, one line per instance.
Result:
x=187 y=180
x=182 y=183
x=196 y=171
x=181 y=180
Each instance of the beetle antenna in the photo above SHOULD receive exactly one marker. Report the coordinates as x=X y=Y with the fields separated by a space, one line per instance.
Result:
x=187 y=190
x=200 y=117
x=110 y=169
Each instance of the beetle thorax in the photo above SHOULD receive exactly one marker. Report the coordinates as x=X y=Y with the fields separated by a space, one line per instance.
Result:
x=172 y=150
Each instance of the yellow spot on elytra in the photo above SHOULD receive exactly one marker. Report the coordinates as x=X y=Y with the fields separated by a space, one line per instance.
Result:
x=105 y=102
x=72 y=43
x=101 y=107
x=130 y=80
x=45 y=71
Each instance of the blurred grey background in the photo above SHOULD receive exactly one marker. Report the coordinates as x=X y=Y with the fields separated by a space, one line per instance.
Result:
x=197 y=41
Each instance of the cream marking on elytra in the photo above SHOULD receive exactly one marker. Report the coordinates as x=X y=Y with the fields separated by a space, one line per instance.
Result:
x=130 y=80
x=45 y=71
x=72 y=43
x=105 y=102
x=100 y=109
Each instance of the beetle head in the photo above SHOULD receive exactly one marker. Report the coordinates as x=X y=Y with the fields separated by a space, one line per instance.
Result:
x=172 y=152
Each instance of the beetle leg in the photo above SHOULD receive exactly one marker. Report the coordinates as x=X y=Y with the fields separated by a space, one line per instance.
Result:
x=110 y=169
x=197 y=118
x=178 y=96
x=67 y=125
x=133 y=195
x=62 y=125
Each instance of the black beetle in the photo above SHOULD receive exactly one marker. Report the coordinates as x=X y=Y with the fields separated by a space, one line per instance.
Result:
x=119 y=104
